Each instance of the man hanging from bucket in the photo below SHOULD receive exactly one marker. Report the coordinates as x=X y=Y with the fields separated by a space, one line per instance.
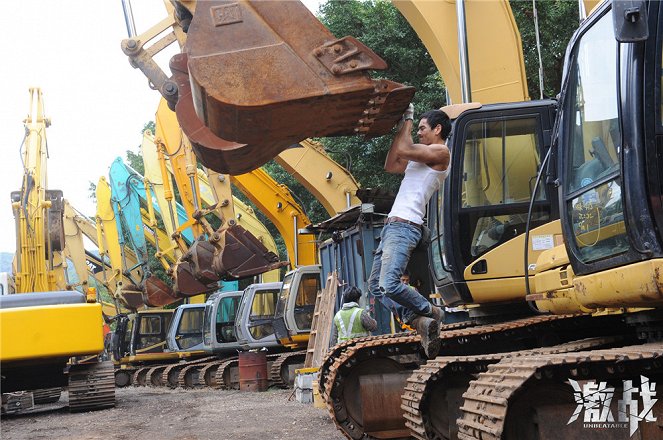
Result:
x=351 y=321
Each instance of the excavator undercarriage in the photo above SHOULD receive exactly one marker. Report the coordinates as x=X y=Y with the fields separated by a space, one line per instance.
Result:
x=424 y=398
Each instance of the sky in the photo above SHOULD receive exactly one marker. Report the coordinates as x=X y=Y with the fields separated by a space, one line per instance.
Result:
x=97 y=103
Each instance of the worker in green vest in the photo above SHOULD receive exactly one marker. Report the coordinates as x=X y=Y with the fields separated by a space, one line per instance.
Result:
x=351 y=321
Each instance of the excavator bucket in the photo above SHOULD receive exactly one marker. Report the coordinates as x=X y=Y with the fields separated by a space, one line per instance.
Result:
x=156 y=293
x=243 y=255
x=230 y=254
x=131 y=297
x=259 y=76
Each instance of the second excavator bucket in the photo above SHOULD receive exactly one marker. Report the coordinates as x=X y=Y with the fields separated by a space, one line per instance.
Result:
x=157 y=293
x=243 y=255
x=230 y=254
x=257 y=76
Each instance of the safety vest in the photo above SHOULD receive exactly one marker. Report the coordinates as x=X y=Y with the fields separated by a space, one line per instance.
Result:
x=348 y=323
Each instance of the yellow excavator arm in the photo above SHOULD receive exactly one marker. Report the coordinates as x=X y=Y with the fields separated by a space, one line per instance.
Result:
x=331 y=184
x=38 y=262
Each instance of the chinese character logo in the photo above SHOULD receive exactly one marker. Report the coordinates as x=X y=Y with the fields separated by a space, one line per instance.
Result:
x=595 y=400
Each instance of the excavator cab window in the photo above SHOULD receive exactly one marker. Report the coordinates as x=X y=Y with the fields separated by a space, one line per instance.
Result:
x=190 y=328
x=309 y=286
x=262 y=313
x=501 y=159
x=435 y=223
x=151 y=333
x=225 y=319
x=593 y=186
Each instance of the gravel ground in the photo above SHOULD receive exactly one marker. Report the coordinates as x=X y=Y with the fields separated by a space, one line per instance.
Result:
x=156 y=413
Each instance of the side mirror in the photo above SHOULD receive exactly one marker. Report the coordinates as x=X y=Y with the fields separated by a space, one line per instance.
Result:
x=629 y=18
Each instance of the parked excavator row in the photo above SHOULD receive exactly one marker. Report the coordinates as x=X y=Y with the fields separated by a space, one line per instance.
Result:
x=229 y=322
x=45 y=329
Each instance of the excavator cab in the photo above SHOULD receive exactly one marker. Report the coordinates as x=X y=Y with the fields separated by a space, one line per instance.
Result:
x=219 y=321
x=141 y=332
x=610 y=162
x=296 y=305
x=478 y=218
x=186 y=333
x=254 y=327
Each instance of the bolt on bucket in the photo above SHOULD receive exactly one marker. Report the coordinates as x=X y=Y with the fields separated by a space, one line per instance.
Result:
x=253 y=371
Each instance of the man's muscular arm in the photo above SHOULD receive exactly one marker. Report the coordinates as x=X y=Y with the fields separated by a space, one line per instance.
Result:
x=403 y=149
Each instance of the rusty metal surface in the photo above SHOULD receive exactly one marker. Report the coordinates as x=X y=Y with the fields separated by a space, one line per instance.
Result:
x=158 y=293
x=241 y=254
x=230 y=253
x=132 y=296
x=380 y=396
x=261 y=84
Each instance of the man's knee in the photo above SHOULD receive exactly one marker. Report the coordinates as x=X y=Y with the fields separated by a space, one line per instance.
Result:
x=390 y=286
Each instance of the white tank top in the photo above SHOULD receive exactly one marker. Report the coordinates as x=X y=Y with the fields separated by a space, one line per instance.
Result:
x=417 y=187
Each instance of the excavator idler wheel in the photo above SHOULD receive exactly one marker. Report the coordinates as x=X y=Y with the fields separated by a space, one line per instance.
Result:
x=442 y=408
x=122 y=378
x=543 y=413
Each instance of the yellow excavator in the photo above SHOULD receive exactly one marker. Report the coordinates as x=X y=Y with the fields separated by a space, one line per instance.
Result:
x=581 y=284
x=44 y=328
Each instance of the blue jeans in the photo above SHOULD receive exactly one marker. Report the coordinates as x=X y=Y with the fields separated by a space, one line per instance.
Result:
x=397 y=241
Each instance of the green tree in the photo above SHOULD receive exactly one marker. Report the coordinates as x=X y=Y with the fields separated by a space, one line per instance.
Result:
x=558 y=19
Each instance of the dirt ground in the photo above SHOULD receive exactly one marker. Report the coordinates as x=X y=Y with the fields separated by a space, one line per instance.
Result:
x=156 y=413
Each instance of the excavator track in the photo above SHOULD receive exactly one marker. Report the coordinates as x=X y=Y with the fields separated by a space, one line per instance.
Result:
x=529 y=397
x=91 y=386
x=46 y=395
x=139 y=377
x=171 y=374
x=336 y=351
x=433 y=392
x=155 y=376
x=222 y=377
x=381 y=365
x=279 y=372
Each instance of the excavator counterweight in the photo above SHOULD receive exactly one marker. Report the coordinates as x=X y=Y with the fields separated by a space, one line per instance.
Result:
x=304 y=83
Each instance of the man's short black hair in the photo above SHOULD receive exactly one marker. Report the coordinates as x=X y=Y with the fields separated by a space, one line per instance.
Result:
x=438 y=117
x=351 y=294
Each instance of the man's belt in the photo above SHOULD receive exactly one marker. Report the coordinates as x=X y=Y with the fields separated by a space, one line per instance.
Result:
x=401 y=220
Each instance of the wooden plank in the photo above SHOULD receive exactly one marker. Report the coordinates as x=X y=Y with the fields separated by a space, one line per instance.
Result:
x=318 y=342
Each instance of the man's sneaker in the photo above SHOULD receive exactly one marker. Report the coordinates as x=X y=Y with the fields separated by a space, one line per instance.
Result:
x=436 y=313
x=429 y=330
